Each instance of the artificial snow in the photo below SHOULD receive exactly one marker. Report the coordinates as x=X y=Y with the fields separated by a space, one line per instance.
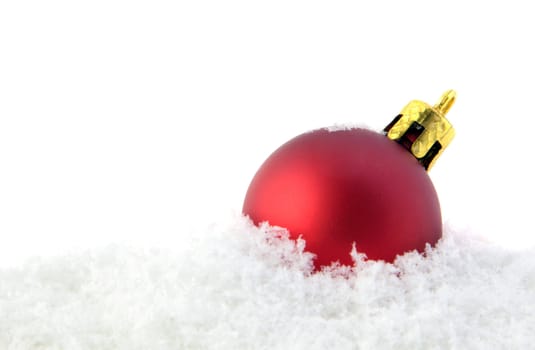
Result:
x=242 y=287
x=347 y=126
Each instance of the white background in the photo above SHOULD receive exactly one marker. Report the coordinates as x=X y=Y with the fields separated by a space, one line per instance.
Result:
x=145 y=120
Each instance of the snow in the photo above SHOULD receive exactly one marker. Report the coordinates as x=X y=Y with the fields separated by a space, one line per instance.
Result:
x=240 y=287
x=348 y=126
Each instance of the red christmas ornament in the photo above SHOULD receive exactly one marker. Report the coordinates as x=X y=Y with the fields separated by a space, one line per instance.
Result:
x=336 y=188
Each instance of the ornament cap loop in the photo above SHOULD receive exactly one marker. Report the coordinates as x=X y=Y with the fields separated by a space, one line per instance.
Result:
x=423 y=129
x=446 y=101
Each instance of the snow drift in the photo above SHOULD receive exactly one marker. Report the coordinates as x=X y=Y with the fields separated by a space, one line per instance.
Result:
x=242 y=287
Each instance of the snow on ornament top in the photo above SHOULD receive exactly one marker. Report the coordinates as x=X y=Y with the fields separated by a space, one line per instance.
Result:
x=353 y=186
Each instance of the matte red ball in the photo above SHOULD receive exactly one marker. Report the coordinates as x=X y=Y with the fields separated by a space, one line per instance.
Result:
x=336 y=188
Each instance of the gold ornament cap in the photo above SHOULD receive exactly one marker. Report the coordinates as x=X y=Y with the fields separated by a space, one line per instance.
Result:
x=423 y=129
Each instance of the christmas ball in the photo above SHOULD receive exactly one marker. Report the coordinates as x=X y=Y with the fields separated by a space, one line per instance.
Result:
x=346 y=187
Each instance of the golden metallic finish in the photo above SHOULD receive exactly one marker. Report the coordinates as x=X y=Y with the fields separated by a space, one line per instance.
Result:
x=446 y=101
x=436 y=128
